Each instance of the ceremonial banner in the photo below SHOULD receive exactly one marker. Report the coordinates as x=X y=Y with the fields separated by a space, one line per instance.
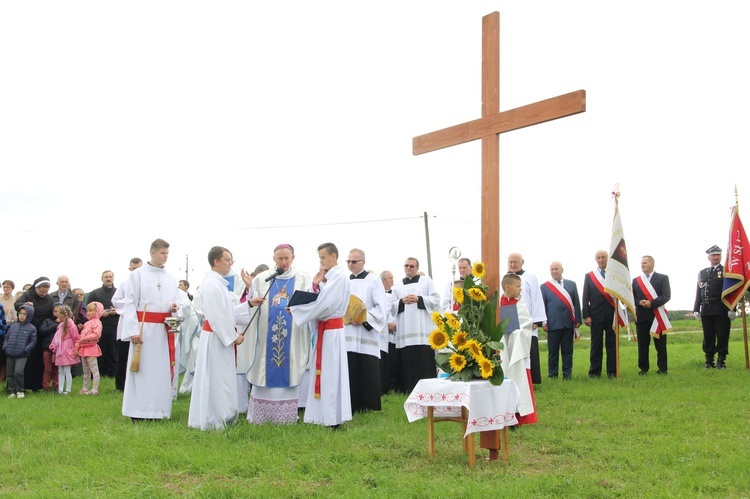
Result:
x=737 y=266
x=617 y=281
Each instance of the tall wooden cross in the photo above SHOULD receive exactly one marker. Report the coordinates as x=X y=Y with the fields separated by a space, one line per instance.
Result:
x=488 y=127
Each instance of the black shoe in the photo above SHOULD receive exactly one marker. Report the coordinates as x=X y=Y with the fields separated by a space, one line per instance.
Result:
x=661 y=372
x=709 y=365
x=611 y=375
x=567 y=377
x=642 y=372
x=721 y=365
x=553 y=376
x=594 y=376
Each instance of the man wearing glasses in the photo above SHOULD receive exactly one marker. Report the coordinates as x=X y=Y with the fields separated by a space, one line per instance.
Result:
x=363 y=338
x=414 y=300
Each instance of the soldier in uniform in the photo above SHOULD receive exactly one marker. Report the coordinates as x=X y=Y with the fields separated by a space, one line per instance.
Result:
x=713 y=313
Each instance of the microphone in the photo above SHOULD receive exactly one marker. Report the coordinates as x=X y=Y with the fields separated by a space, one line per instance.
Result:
x=278 y=272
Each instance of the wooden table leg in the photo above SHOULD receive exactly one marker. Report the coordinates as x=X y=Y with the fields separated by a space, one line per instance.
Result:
x=506 y=451
x=472 y=454
x=431 y=431
x=465 y=418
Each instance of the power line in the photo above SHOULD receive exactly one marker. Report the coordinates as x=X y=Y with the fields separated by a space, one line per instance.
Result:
x=326 y=224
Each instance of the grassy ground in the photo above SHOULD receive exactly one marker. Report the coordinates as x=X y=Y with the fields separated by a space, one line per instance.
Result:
x=641 y=436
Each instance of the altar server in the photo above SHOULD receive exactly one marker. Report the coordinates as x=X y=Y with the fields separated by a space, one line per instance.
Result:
x=214 y=402
x=515 y=356
x=328 y=398
x=152 y=296
x=532 y=297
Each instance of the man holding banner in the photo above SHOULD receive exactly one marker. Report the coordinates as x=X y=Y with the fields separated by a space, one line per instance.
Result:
x=651 y=291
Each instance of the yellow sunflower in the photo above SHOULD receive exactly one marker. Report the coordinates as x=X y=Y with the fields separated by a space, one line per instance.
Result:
x=477 y=294
x=438 y=339
x=478 y=270
x=459 y=340
x=437 y=319
x=452 y=321
x=474 y=348
x=458 y=295
x=457 y=362
x=486 y=366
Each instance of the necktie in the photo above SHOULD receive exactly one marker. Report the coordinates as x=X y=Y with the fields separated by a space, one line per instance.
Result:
x=649 y=277
x=602 y=272
x=560 y=282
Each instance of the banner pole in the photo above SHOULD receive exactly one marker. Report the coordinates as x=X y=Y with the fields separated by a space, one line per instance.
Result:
x=744 y=331
x=617 y=337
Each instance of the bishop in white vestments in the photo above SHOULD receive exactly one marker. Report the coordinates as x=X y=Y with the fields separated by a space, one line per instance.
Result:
x=279 y=348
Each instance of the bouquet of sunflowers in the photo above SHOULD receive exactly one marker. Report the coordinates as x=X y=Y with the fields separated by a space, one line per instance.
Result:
x=472 y=335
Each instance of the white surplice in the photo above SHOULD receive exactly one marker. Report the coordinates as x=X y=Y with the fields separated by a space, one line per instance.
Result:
x=414 y=324
x=272 y=403
x=531 y=295
x=148 y=392
x=214 y=396
x=516 y=360
x=358 y=338
x=190 y=335
x=334 y=405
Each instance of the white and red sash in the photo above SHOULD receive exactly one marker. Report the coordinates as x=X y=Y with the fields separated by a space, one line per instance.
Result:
x=598 y=280
x=661 y=324
x=564 y=296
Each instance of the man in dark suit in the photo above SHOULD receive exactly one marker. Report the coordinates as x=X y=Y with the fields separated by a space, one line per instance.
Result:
x=651 y=291
x=598 y=314
x=108 y=341
x=714 y=315
x=563 y=309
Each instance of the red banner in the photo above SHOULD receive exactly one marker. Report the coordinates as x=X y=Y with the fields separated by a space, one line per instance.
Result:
x=737 y=266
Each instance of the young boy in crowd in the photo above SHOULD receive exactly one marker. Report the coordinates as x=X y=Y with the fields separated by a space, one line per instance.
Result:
x=19 y=341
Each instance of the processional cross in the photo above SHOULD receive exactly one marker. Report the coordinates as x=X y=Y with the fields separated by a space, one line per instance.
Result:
x=488 y=127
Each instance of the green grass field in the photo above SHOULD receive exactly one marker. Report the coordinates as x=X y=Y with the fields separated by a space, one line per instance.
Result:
x=683 y=435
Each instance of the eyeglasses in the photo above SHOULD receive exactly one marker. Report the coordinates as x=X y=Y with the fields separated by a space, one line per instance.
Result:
x=409 y=266
x=353 y=261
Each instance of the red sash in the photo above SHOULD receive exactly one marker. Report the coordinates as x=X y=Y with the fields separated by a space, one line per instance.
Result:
x=661 y=324
x=337 y=323
x=607 y=296
x=158 y=318
x=564 y=299
x=207 y=328
x=568 y=303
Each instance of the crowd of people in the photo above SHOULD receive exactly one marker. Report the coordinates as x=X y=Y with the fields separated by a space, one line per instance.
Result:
x=276 y=342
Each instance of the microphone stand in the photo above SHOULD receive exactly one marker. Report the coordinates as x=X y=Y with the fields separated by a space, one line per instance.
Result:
x=258 y=310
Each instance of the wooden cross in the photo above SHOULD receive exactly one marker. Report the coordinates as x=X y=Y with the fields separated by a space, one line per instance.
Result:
x=488 y=127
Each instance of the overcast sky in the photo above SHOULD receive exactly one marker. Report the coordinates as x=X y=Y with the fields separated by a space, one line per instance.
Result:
x=247 y=124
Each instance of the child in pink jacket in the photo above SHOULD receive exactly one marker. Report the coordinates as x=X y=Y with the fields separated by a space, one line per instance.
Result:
x=64 y=347
x=88 y=347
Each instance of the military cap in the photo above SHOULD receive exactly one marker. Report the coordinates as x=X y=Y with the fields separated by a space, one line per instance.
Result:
x=714 y=250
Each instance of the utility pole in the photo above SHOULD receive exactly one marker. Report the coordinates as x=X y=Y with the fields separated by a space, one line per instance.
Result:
x=427 y=239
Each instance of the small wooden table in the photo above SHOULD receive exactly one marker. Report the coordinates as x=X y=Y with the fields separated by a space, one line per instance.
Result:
x=477 y=405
